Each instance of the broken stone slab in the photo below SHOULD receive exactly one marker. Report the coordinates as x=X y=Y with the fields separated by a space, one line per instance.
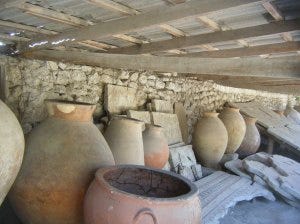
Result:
x=220 y=191
x=206 y=171
x=170 y=125
x=260 y=157
x=182 y=118
x=291 y=184
x=285 y=166
x=139 y=115
x=161 y=106
x=236 y=166
x=182 y=156
x=228 y=157
x=177 y=145
x=119 y=99
x=271 y=177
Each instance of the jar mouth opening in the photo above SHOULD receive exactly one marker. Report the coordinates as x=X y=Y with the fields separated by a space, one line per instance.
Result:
x=67 y=102
x=143 y=182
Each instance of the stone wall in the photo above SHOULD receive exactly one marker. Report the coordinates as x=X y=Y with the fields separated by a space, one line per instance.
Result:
x=30 y=82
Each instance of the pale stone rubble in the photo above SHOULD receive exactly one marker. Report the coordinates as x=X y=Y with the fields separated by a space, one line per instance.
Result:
x=30 y=82
x=279 y=173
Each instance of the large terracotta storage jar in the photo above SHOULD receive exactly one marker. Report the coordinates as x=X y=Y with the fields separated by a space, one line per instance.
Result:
x=125 y=139
x=156 y=147
x=62 y=155
x=210 y=139
x=131 y=194
x=235 y=126
x=251 y=141
x=11 y=149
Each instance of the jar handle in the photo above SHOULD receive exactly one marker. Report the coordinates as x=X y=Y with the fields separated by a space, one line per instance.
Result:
x=141 y=213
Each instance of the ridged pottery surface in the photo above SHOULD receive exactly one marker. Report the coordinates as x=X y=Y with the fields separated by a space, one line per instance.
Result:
x=62 y=156
x=235 y=126
x=138 y=195
x=156 y=147
x=292 y=115
x=210 y=140
x=124 y=137
x=251 y=141
x=11 y=149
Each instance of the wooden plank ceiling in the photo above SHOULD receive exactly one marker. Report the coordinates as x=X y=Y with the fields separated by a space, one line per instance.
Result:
x=188 y=29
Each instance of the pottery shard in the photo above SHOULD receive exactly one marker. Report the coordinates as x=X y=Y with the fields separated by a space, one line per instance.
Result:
x=181 y=114
x=220 y=191
x=118 y=99
x=139 y=115
x=162 y=106
x=170 y=124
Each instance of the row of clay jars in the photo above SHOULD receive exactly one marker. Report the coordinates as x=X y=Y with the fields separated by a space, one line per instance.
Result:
x=130 y=194
x=62 y=155
x=130 y=145
x=215 y=136
x=11 y=149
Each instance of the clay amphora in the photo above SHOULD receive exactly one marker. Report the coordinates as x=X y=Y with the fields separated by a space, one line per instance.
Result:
x=156 y=147
x=210 y=140
x=124 y=137
x=62 y=155
x=251 y=141
x=131 y=194
x=235 y=126
x=292 y=115
x=11 y=149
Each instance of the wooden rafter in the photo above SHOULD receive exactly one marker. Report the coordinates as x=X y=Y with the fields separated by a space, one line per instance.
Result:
x=208 y=38
x=209 y=23
x=273 y=10
x=285 y=67
x=250 y=51
x=172 y=30
x=130 y=39
x=128 y=24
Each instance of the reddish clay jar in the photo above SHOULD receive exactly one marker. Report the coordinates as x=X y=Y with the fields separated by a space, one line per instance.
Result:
x=129 y=194
x=156 y=149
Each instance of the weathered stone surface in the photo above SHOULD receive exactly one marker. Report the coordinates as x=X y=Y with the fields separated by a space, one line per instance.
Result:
x=220 y=191
x=170 y=124
x=206 y=171
x=182 y=119
x=162 y=106
x=187 y=172
x=140 y=115
x=284 y=165
x=197 y=171
x=118 y=99
x=181 y=156
x=228 y=157
x=177 y=145
x=236 y=166
x=260 y=157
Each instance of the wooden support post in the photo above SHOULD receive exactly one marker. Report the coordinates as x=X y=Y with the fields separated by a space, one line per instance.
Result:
x=270 y=145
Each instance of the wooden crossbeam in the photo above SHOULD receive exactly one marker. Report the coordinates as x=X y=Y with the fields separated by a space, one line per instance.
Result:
x=283 y=67
x=273 y=10
x=128 y=24
x=210 y=23
x=251 y=51
x=130 y=39
x=208 y=38
x=53 y=15
x=172 y=30
x=111 y=5
x=13 y=38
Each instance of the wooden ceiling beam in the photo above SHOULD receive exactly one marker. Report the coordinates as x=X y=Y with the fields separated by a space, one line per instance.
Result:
x=273 y=10
x=172 y=30
x=283 y=67
x=111 y=5
x=129 y=24
x=251 y=51
x=209 y=38
x=13 y=38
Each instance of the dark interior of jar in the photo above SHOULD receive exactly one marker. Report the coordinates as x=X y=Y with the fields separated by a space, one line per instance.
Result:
x=146 y=183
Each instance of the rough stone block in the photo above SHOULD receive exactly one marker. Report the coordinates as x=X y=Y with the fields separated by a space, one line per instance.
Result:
x=177 y=145
x=162 y=106
x=220 y=191
x=170 y=124
x=182 y=118
x=118 y=99
x=140 y=115
x=197 y=171
x=186 y=172
x=228 y=157
x=291 y=184
x=236 y=166
x=285 y=166
x=181 y=156
x=260 y=157
x=206 y=171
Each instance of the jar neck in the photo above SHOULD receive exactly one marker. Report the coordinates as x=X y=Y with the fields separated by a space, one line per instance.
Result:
x=70 y=111
x=210 y=114
x=232 y=109
x=250 y=120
